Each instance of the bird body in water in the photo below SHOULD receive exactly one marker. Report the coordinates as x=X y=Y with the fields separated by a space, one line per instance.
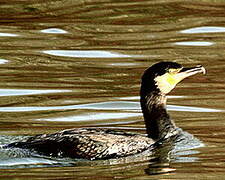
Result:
x=89 y=143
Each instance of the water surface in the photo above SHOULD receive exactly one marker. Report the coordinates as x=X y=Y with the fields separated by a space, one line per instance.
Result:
x=70 y=64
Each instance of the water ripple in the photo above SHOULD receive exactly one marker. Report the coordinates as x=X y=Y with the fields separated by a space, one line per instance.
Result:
x=111 y=105
x=54 y=31
x=86 y=54
x=8 y=35
x=204 y=29
x=194 y=43
x=93 y=117
x=3 y=61
x=31 y=162
x=22 y=92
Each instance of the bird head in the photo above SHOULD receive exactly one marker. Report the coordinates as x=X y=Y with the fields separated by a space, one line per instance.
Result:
x=164 y=76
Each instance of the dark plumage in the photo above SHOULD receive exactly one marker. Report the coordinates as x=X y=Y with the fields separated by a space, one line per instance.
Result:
x=90 y=143
x=153 y=102
x=87 y=143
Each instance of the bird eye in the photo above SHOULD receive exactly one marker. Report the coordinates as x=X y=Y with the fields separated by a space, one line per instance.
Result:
x=173 y=71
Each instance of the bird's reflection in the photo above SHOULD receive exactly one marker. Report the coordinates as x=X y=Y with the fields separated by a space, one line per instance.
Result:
x=177 y=149
x=162 y=156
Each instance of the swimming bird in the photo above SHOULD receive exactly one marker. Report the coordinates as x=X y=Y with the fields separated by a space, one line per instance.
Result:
x=95 y=143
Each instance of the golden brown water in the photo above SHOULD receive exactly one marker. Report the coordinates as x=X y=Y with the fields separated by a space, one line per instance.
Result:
x=68 y=64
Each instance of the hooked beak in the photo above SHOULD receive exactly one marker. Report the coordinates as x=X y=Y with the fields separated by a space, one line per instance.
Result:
x=186 y=72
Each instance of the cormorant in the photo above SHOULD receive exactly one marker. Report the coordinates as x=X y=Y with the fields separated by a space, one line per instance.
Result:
x=93 y=143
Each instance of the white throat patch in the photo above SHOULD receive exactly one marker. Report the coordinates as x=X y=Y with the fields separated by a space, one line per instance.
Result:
x=165 y=83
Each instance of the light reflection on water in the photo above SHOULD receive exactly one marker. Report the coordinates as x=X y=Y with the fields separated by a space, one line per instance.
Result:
x=23 y=162
x=194 y=43
x=8 y=35
x=54 y=31
x=3 y=61
x=204 y=29
x=23 y=92
x=86 y=54
x=114 y=105
x=92 y=117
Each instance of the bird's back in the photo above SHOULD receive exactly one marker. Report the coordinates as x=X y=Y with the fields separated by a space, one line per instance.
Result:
x=87 y=143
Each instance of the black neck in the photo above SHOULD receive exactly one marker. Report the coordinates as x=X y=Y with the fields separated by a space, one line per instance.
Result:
x=157 y=120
